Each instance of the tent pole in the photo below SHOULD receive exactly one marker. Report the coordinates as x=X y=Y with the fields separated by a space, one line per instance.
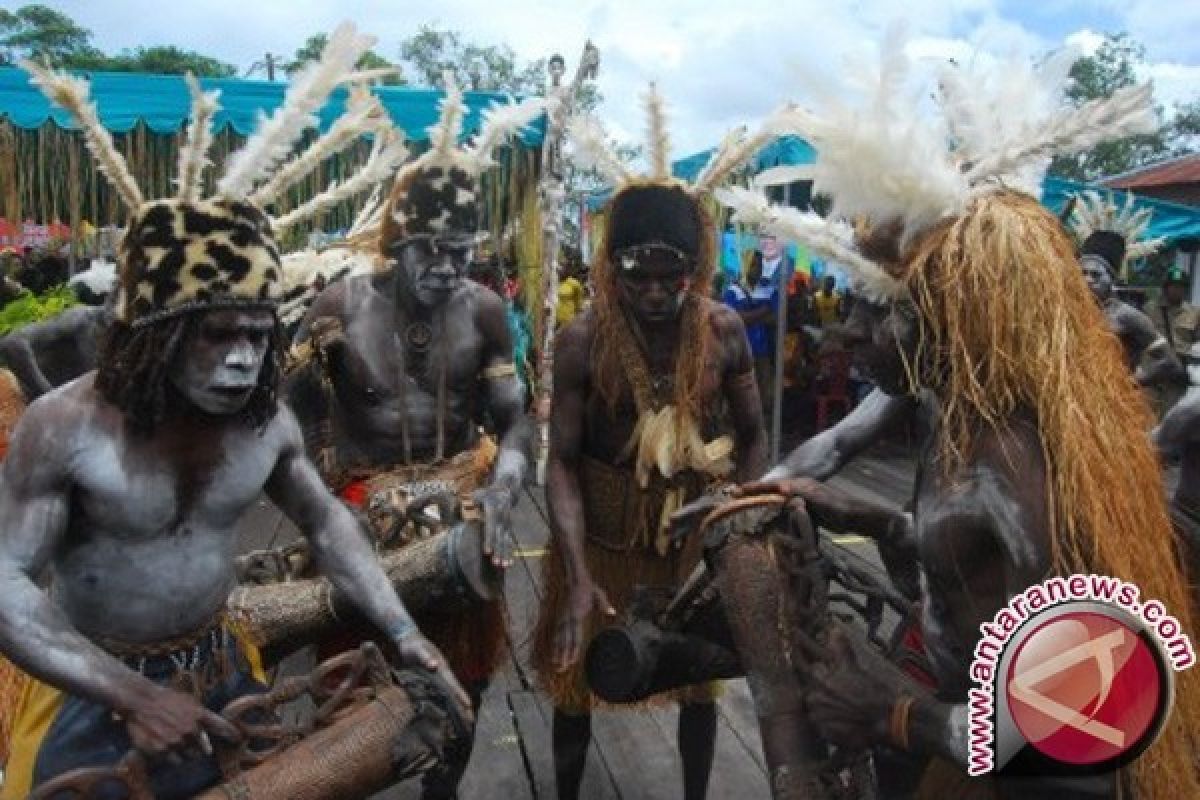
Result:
x=551 y=193
x=781 y=309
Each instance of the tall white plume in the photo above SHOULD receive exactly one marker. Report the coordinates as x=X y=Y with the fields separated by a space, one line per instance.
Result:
x=74 y=94
x=278 y=133
x=193 y=153
x=499 y=123
x=592 y=149
x=387 y=153
x=657 y=139
x=444 y=136
x=364 y=114
x=828 y=238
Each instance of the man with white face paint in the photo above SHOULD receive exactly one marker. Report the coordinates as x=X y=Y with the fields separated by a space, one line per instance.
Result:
x=403 y=364
x=117 y=480
x=122 y=490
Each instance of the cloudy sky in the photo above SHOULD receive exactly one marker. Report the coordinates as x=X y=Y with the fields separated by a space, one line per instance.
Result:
x=718 y=64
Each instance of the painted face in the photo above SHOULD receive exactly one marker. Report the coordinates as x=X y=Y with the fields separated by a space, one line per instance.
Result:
x=218 y=365
x=653 y=282
x=1099 y=279
x=879 y=338
x=433 y=267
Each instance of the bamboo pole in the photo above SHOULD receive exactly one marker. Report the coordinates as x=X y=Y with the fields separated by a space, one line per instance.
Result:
x=551 y=194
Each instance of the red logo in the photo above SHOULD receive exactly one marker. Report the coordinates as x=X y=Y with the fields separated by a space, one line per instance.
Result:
x=1085 y=688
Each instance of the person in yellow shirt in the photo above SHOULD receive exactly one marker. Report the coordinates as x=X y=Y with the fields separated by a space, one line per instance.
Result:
x=571 y=297
x=827 y=301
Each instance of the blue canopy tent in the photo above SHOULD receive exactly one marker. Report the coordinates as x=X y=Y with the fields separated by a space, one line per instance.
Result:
x=161 y=103
x=51 y=178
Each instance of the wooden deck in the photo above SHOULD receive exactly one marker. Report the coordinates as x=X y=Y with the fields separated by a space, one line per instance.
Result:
x=634 y=756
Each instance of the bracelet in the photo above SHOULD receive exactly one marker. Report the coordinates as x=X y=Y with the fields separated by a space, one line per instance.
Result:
x=899 y=721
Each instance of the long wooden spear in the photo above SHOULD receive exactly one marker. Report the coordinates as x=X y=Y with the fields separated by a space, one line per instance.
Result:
x=551 y=195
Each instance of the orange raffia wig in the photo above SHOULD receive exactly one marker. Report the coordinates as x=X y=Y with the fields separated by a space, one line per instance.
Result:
x=1007 y=323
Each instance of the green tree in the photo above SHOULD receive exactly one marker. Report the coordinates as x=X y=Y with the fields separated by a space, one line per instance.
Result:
x=41 y=33
x=1113 y=66
x=164 y=59
x=311 y=51
x=1185 y=128
x=476 y=67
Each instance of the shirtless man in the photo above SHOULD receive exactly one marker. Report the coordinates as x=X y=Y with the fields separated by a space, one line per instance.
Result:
x=653 y=365
x=1147 y=352
x=121 y=493
x=403 y=364
x=981 y=525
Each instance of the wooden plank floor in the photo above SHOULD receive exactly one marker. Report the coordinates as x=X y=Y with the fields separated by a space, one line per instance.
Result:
x=634 y=755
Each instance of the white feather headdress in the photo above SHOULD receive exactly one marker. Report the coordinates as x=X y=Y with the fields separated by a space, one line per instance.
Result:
x=1096 y=211
x=255 y=162
x=882 y=160
x=591 y=147
x=500 y=123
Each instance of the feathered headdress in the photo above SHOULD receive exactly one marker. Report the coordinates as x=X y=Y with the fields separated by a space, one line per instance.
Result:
x=1096 y=214
x=436 y=192
x=657 y=209
x=189 y=252
x=888 y=166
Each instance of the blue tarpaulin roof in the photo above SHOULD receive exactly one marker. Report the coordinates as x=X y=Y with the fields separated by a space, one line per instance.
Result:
x=162 y=103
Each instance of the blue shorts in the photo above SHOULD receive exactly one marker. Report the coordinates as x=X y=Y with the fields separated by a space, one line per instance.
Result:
x=54 y=732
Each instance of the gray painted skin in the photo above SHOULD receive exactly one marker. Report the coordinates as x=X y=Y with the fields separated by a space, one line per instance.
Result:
x=979 y=544
x=52 y=352
x=1147 y=353
x=136 y=531
x=377 y=394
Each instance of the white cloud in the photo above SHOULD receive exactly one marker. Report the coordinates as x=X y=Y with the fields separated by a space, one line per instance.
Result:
x=718 y=64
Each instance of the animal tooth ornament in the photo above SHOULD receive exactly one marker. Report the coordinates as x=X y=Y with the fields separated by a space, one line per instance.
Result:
x=1002 y=340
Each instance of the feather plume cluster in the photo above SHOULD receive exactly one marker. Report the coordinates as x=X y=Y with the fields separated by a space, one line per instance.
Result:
x=500 y=122
x=736 y=149
x=387 y=154
x=74 y=94
x=1095 y=211
x=827 y=237
x=591 y=149
x=364 y=114
x=193 y=153
x=882 y=160
x=277 y=134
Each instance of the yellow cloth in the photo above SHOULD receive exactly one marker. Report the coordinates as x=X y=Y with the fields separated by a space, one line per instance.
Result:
x=39 y=704
x=827 y=306
x=570 y=300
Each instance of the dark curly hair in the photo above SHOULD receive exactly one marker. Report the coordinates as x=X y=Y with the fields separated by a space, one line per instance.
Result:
x=134 y=363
